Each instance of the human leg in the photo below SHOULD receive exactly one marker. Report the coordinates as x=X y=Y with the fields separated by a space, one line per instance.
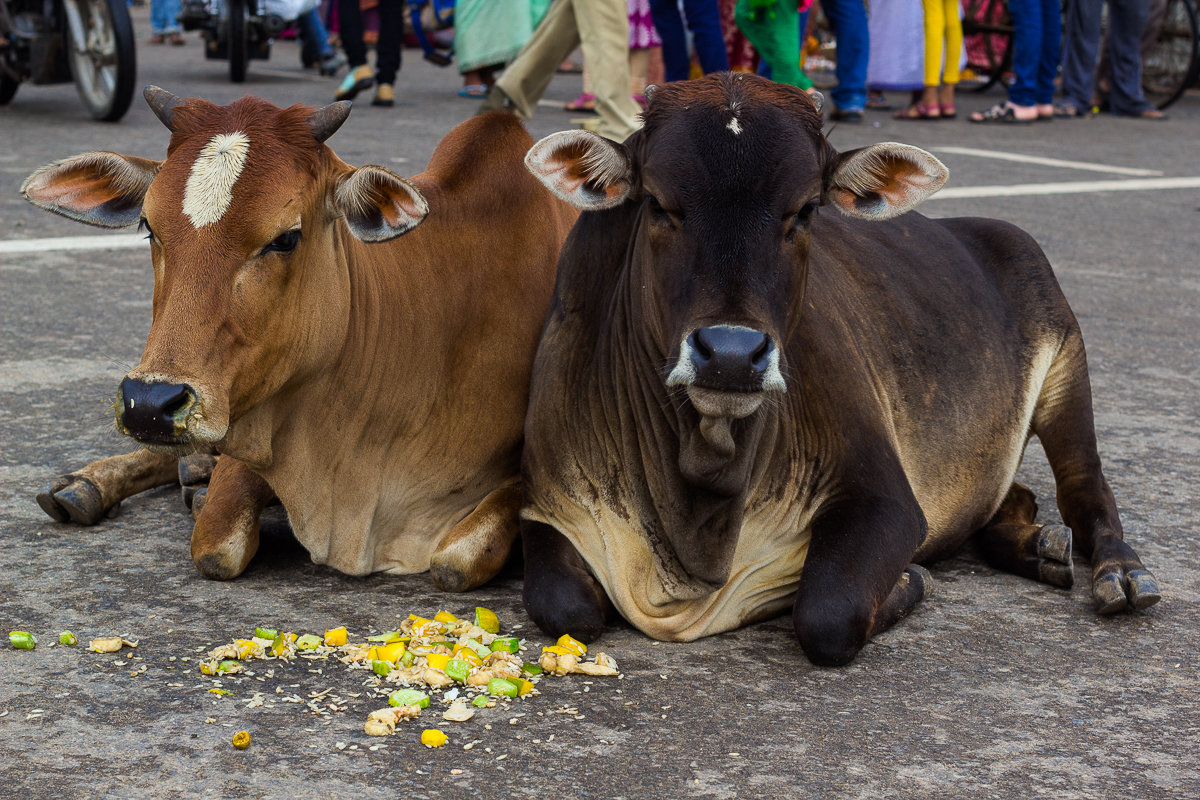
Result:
x=704 y=21
x=1127 y=20
x=1049 y=55
x=776 y=38
x=525 y=80
x=849 y=21
x=669 y=24
x=391 y=36
x=604 y=38
x=1081 y=39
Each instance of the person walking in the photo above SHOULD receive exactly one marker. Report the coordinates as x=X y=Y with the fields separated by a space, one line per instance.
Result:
x=1037 y=28
x=387 y=51
x=1081 y=42
x=164 y=27
x=601 y=29
x=704 y=21
x=848 y=19
x=943 y=51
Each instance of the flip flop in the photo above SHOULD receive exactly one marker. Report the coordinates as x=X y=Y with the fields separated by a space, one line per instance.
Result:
x=473 y=91
x=999 y=113
x=585 y=102
x=919 y=111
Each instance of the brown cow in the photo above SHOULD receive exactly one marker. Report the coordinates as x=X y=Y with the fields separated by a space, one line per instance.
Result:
x=745 y=400
x=356 y=343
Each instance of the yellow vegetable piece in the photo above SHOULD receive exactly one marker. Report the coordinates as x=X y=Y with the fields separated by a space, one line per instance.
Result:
x=468 y=655
x=445 y=616
x=437 y=660
x=559 y=650
x=432 y=737
x=524 y=687
x=574 y=645
x=391 y=651
x=336 y=637
x=486 y=618
x=241 y=740
x=373 y=654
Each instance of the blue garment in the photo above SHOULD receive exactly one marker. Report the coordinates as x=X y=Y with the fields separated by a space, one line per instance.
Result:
x=163 y=15
x=314 y=37
x=848 y=18
x=1037 y=30
x=704 y=21
x=1081 y=41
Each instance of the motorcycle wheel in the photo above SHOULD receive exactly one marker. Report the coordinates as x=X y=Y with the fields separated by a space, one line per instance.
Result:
x=239 y=40
x=102 y=55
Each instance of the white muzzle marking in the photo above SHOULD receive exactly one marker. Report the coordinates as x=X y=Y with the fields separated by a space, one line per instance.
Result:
x=209 y=188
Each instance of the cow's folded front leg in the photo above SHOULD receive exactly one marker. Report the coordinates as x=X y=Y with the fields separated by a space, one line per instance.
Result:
x=87 y=495
x=225 y=536
x=475 y=550
x=560 y=594
x=195 y=471
x=858 y=579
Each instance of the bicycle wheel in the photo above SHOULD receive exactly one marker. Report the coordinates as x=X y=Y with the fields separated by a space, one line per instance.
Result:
x=102 y=55
x=988 y=40
x=239 y=39
x=1172 y=64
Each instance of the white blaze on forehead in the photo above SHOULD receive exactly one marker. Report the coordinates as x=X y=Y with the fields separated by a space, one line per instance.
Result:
x=210 y=184
x=734 y=125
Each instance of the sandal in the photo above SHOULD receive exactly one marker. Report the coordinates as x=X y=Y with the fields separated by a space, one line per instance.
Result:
x=1002 y=112
x=919 y=111
x=1067 y=110
x=474 y=91
x=585 y=102
x=878 y=102
x=949 y=111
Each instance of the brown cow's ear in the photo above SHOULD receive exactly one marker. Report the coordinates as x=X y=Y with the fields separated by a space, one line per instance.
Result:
x=582 y=168
x=885 y=180
x=378 y=204
x=104 y=189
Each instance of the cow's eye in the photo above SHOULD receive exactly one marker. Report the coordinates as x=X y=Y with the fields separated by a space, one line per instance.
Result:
x=800 y=220
x=284 y=242
x=657 y=212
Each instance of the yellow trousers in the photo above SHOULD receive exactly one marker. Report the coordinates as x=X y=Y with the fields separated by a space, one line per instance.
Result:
x=942 y=25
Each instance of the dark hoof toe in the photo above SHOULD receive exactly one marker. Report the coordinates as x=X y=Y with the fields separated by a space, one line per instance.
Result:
x=198 y=501
x=1108 y=594
x=74 y=498
x=196 y=469
x=52 y=507
x=1143 y=589
x=1054 y=543
x=921 y=576
x=188 y=493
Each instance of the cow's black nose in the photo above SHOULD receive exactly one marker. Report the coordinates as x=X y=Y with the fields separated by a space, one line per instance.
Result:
x=154 y=412
x=730 y=357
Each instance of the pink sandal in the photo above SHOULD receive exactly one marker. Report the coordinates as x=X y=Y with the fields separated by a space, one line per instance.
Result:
x=585 y=102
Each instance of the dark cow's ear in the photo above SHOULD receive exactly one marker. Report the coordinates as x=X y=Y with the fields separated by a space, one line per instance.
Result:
x=379 y=204
x=103 y=189
x=884 y=180
x=583 y=168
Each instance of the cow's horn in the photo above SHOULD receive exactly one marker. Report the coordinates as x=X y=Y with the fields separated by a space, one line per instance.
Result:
x=163 y=104
x=648 y=93
x=817 y=99
x=325 y=121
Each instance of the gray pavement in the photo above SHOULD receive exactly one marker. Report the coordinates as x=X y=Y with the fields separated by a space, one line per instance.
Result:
x=995 y=687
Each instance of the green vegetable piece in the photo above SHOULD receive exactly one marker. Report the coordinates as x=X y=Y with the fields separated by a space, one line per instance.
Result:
x=265 y=633
x=486 y=618
x=503 y=687
x=384 y=637
x=227 y=665
x=481 y=649
x=66 y=637
x=530 y=668
x=507 y=645
x=381 y=667
x=458 y=669
x=408 y=658
x=480 y=702
x=408 y=697
x=22 y=640
x=308 y=642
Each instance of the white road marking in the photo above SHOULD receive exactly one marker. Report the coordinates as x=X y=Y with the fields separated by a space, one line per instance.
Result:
x=1046 y=162
x=1067 y=187
x=107 y=241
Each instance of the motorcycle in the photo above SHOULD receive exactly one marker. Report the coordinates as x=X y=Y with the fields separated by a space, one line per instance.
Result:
x=89 y=42
x=233 y=30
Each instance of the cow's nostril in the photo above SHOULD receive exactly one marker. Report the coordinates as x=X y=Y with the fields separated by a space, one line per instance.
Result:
x=760 y=359
x=730 y=357
x=701 y=349
x=154 y=411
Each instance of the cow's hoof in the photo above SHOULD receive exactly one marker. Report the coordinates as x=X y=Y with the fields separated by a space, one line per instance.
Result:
x=73 y=498
x=199 y=498
x=1137 y=590
x=196 y=469
x=922 y=577
x=1054 y=556
x=1143 y=589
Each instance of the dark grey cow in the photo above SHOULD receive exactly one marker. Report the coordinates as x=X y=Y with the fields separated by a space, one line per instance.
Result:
x=762 y=384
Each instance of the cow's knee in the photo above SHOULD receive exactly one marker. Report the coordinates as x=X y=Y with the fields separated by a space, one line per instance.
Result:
x=222 y=547
x=476 y=549
x=831 y=633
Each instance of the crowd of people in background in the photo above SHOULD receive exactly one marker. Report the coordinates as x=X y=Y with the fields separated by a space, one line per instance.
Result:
x=509 y=50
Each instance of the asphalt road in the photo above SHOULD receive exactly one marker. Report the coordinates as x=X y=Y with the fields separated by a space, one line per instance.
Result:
x=996 y=687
